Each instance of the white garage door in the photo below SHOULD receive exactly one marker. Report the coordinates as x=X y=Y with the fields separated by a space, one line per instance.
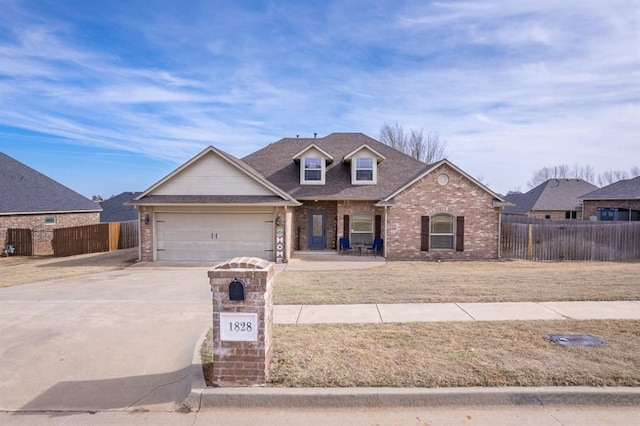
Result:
x=213 y=236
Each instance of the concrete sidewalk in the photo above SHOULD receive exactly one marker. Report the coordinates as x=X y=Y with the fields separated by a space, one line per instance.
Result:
x=442 y=312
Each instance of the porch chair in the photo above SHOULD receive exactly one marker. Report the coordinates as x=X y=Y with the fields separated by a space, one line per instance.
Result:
x=345 y=247
x=376 y=247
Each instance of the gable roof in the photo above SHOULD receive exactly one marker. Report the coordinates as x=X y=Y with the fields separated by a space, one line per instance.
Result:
x=275 y=194
x=313 y=146
x=499 y=201
x=628 y=189
x=552 y=195
x=275 y=163
x=365 y=147
x=114 y=209
x=25 y=190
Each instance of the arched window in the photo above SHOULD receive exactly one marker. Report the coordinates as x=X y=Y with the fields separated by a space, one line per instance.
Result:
x=361 y=228
x=442 y=232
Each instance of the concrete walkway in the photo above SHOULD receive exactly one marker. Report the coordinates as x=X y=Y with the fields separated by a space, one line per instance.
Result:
x=441 y=312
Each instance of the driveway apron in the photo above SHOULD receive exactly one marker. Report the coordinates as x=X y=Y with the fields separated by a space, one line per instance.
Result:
x=112 y=341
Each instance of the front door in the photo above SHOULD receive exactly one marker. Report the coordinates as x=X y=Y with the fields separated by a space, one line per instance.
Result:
x=317 y=230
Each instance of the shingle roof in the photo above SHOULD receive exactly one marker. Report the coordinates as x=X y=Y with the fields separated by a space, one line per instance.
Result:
x=275 y=162
x=628 y=189
x=554 y=194
x=114 y=210
x=24 y=190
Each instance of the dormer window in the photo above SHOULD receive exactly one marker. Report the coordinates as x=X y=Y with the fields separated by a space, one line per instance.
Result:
x=364 y=165
x=313 y=162
x=364 y=169
x=313 y=170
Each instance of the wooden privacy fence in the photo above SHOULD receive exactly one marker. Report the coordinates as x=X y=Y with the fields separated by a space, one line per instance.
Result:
x=21 y=240
x=571 y=240
x=95 y=238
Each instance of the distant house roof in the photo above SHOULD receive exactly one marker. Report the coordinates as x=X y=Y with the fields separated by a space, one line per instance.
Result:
x=628 y=189
x=114 y=210
x=24 y=190
x=552 y=195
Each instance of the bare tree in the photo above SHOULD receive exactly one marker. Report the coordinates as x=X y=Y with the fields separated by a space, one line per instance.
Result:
x=394 y=136
x=546 y=173
x=610 y=176
x=428 y=148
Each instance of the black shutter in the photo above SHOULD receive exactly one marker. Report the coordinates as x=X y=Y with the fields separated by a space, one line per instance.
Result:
x=346 y=231
x=424 y=234
x=378 y=227
x=460 y=233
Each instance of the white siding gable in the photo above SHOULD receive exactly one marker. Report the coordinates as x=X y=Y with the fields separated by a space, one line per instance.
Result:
x=211 y=175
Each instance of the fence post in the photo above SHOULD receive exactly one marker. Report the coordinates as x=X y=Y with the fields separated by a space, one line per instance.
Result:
x=530 y=242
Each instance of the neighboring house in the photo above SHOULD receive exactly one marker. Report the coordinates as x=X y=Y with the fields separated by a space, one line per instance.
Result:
x=114 y=209
x=304 y=194
x=618 y=201
x=29 y=199
x=554 y=199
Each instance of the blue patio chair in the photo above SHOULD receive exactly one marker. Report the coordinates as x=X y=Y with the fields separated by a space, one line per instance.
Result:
x=345 y=247
x=376 y=247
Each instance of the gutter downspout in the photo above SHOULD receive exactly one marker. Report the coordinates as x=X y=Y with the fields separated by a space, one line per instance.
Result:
x=385 y=233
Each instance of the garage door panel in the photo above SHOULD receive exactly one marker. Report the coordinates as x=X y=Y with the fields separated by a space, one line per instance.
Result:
x=213 y=236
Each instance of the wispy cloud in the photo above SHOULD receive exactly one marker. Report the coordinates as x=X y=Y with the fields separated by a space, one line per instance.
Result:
x=493 y=78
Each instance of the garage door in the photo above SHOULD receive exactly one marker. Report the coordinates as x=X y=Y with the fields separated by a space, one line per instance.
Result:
x=219 y=236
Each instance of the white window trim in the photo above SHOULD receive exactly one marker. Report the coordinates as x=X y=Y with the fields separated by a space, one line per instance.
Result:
x=448 y=234
x=354 y=171
x=323 y=166
x=352 y=232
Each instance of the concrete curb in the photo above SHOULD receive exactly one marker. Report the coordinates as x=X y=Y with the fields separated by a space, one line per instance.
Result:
x=414 y=397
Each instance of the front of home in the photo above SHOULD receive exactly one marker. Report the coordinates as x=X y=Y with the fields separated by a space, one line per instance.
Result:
x=306 y=194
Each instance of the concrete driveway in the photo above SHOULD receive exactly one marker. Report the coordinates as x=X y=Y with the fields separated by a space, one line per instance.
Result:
x=111 y=341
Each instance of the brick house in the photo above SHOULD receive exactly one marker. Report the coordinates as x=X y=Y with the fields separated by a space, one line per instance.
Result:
x=305 y=194
x=31 y=200
x=555 y=199
x=619 y=201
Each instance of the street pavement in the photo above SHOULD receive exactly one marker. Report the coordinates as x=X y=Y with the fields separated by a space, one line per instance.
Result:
x=417 y=416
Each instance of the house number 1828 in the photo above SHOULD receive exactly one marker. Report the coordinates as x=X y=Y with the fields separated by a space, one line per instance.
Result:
x=240 y=326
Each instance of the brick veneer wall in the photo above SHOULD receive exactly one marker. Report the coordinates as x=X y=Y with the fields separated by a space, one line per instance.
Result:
x=553 y=214
x=146 y=234
x=42 y=233
x=591 y=206
x=243 y=363
x=460 y=197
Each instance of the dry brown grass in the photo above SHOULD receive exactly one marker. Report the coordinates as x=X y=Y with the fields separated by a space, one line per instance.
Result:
x=424 y=282
x=22 y=270
x=455 y=354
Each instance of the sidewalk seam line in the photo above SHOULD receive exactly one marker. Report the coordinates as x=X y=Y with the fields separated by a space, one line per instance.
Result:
x=299 y=313
x=379 y=314
x=462 y=309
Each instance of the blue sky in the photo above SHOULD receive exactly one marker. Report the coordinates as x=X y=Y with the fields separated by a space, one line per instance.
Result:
x=107 y=96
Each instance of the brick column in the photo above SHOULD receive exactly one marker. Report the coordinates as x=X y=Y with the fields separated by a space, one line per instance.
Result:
x=241 y=353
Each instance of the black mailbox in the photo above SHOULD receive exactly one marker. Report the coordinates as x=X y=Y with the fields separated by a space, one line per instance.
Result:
x=236 y=289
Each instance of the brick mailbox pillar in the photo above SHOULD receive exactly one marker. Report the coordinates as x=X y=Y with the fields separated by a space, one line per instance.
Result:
x=242 y=321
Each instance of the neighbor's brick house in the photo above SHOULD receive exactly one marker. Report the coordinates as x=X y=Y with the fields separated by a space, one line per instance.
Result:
x=31 y=200
x=305 y=194
x=619 y=201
